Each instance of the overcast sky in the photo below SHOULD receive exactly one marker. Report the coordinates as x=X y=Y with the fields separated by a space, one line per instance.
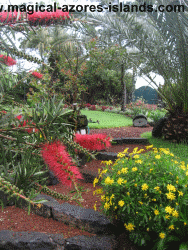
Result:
x=139 y=81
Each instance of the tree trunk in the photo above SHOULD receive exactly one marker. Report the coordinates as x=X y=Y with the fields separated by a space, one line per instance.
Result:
x=133 y=83
x=123 y=86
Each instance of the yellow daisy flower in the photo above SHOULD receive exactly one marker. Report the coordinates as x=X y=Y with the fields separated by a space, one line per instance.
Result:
x=156 y=212
x=157 y=188
x=145 y=186
x=108 y=180
x=136 y=156
x=170 y=196
x=171 y=188
x=157 y=156
x=147 y=147
x=121 y=203
x=162 y=235
x=124 y=170
x=175 y=213
x=95 y=181
x=139 y=161
x=169 y=210
x=134 y=169
x=180 y=193
x=120 y=181
x=129 y=227
x=171 y=227
x=106 y=206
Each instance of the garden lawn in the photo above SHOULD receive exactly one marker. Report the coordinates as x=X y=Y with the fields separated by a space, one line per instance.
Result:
x=179 y=150
x=107 y=119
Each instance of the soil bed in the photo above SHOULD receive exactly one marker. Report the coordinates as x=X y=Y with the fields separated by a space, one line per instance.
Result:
x=16 y=219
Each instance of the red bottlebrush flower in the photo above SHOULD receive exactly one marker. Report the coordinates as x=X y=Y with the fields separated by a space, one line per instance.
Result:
x=59 y=162
x=19 y=117
x=93 y=142
x=37 y=74
x=7 y=60
x=46 y=16
x=10 y=17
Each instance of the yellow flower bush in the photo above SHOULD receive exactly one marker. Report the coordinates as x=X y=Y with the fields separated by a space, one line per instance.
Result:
x=147 y=192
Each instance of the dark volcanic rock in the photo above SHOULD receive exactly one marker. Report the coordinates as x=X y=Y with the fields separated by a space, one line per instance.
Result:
x=29 y=240
x=95 y=242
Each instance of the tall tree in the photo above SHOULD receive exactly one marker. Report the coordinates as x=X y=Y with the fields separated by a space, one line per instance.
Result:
x=106 y=28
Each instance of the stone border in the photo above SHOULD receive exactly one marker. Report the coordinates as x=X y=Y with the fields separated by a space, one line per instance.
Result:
x=131 y=140
x=91 y=220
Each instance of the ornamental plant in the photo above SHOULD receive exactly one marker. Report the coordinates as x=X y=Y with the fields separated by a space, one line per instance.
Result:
x=9 y=61
x=59 y=161
x=155 y=115
x=92 y=107
x=148 y=193
x=23 y=143
x=37 y=74
x=93 y=142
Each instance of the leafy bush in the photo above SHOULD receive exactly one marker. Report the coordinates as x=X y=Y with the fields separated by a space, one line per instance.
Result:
x=148 y=192
x=155 y=115
x=93 y=107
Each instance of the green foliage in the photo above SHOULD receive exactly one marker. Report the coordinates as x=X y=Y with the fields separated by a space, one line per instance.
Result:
x=103 y=76
x=155 y=115
x=147 y=192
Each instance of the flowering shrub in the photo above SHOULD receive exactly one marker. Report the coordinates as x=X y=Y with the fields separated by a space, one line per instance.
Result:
x=148 y=192
x=59 y=162
x=93 y=142
x=93 y=107
x=7 y=60
x=87 y=105
x=104 y=107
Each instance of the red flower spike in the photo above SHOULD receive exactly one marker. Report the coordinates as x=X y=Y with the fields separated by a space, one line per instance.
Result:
x=7 y=60
x=93 y=142
x=36 y=74
x=59 y=161
x=38 y=17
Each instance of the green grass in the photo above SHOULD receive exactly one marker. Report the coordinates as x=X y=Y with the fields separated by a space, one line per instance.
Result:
x=106 y=119
x=179 y=150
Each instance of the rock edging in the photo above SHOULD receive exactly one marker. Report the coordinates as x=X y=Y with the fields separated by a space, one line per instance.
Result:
x=91 y=220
